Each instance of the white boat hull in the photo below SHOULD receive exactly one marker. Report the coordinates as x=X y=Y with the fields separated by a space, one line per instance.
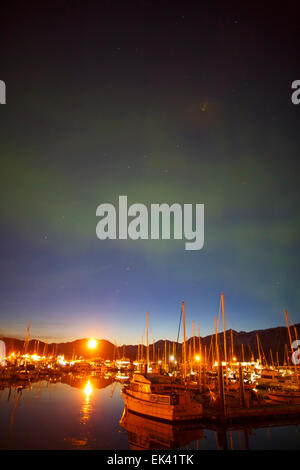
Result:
x=165 y=412
x=285 y=397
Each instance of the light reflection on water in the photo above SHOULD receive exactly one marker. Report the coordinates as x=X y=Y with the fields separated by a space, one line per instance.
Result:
x=88 y=413
x=87 y=407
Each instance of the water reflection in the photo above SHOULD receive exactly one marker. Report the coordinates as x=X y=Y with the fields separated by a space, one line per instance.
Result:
x=87 y=412
x=80 y=381
x=147 y=434
x=16 y=401
x=86 y=407
x=88 y=390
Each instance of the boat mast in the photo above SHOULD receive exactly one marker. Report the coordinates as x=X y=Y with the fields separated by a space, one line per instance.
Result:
x=271 y=356
x=142 y=350
x=194 y=343
x=211 y=349
x=296 y=334
x=184 y=339
x=200 y=353
x=26 y=342
x=258 y=348
x=291 y=343
x=45 y=349
x=217 y=346
x=165 y=355
x=147 y=342
x=286 y=356
x=225 y=350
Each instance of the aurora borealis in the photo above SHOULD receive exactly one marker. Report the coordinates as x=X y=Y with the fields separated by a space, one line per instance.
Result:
x=163 y=105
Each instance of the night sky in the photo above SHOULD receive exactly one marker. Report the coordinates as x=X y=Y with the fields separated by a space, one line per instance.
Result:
x=172 y=103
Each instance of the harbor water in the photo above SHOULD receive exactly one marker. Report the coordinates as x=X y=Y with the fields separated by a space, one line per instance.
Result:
x=88 y=413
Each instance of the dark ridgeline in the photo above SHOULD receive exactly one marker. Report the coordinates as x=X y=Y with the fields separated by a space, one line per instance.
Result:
x=271 y=339
x=70 y=349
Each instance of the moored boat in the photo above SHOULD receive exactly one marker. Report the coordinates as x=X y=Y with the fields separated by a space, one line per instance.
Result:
x=291 y=397
x=161 y=398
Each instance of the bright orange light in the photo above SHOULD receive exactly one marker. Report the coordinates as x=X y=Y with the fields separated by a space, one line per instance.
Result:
x=197 y=358
x=35 y=357
x=88 y=390
x=92 y=343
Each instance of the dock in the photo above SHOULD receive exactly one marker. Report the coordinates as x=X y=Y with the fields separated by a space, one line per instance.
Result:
x=266 y=412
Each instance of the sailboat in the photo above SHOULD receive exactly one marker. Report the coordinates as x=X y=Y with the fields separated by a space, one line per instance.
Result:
x=159 y=397
x=288 y=396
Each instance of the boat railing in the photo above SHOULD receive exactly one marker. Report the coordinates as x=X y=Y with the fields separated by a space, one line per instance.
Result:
x=162 y=399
